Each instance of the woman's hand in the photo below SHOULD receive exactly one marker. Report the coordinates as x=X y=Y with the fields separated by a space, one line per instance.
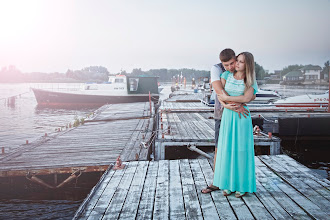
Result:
x=223 y=96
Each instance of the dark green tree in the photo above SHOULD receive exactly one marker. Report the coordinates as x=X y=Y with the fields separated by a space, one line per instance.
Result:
x=325 y=69
x=260 y=72
x=290 y=68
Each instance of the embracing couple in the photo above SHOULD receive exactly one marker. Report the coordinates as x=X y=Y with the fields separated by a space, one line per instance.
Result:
x=234 y=82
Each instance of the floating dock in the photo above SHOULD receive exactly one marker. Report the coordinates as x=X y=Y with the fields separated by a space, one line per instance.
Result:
x=116 y=130
x=171 y=189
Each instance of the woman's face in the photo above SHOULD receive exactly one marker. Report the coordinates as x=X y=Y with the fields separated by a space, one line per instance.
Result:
x=240 y=63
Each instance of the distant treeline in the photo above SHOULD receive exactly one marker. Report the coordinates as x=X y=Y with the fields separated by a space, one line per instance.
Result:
x=100 y=74
x=95 y=74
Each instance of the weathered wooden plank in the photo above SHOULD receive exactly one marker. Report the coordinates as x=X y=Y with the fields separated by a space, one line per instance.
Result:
x=97 y=194
x=132 y=201
x=256 y=207
x=161 y=206
x=205 y=200
x=193 y=209
x=175 y=192
x=118 y=200
x=270 y=203
x=131 y=144
x=310 y=173
x=308 y=206
x=106 y=196
x=239 y=207
x=284 y=200
x=221 y=203
x=303 y=180
x=146 y=205
x=299 y=185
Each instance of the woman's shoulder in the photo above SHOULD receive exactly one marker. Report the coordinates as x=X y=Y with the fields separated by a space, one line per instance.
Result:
x=226 y=74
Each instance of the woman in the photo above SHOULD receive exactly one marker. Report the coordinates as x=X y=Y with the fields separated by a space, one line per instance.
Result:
x=234 y=170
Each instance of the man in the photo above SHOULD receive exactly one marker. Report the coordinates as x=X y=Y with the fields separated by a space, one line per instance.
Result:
x=228 y=62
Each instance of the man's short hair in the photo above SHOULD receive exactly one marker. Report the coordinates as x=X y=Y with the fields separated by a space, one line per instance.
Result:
x=227 y=54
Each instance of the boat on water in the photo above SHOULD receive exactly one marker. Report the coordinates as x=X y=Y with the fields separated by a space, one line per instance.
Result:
x=265 y=96
x=308 y=100
x=119 y=89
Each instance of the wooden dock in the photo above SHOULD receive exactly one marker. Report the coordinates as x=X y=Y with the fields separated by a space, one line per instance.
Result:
x=196 y=128
x=116 y=130
x=172 y=190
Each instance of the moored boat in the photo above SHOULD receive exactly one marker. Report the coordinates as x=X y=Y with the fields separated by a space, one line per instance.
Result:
x=119 y=89
x=264 y=96
x=320 y=100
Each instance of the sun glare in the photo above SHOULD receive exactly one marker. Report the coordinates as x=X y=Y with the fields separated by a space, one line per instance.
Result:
x=18 y=18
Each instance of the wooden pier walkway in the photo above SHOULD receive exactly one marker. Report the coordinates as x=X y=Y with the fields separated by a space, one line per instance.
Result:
x=118 y=129
x=171 y=189
x=196 y=128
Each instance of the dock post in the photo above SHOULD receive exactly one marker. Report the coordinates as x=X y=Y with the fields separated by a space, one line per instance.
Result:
x=150 y=103
x=329 y=92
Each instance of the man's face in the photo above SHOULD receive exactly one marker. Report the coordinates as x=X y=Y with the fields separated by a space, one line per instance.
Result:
x=230 y=65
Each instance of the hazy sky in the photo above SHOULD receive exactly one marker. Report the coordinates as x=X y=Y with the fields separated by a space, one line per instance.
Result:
x=53 y=36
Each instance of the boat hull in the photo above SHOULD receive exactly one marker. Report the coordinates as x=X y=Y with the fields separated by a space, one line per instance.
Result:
x=306 y=105
x=50 y=98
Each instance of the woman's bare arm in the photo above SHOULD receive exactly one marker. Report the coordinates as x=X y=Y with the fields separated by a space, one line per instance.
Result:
x=247 y=97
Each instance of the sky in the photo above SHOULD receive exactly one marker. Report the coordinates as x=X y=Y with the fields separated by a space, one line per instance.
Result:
x=57 y=35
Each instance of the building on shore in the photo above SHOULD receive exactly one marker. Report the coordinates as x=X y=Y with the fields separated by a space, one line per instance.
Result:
x=293 y=77
x=312 y=73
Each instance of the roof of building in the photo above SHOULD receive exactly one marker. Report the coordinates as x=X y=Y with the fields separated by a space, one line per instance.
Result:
x=311 y=67
x=294 y=73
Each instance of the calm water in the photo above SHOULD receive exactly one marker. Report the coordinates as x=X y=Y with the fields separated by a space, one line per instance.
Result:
x=25 y=121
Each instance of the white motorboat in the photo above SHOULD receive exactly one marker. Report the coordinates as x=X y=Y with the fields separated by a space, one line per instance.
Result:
x=119 y=89
x=264 y=96
x=320 y=100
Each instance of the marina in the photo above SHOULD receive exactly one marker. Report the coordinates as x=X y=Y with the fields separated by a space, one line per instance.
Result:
x=166 y=153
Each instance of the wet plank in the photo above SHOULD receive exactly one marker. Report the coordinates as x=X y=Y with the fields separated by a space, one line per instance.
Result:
x=161 y=206
x=307 y=205
x=133 y=197
x=146 y=205
x=175 y=192
x=304 y=189
x=192 y=206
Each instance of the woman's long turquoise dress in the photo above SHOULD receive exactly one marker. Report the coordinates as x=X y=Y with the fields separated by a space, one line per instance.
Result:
x=234 y=168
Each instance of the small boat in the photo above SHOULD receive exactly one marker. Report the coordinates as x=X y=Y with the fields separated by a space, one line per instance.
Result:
x=265 y=96
x=320 y=100
x=119 y=89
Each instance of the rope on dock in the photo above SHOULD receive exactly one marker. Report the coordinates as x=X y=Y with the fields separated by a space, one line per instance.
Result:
x=11 y=100
x=15 y=96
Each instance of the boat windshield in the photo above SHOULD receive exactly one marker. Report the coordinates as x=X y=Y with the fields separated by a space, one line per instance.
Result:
x=133 y=84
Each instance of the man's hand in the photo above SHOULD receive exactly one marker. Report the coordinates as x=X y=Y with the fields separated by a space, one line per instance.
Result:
x=241 y=110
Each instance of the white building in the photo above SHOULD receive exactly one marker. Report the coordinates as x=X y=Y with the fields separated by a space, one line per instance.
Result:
x=311 y=72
